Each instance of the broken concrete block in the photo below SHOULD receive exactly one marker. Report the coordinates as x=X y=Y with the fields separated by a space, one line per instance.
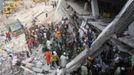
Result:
x=39 y=64
x=37 y=69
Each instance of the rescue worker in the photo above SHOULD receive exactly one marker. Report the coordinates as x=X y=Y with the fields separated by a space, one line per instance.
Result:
x=90 y=36
x=47 y=56
x=55 y=59
x=63 y=60
x=84 y=70
x=8 y=36
x=30 y=44
x=57 y=35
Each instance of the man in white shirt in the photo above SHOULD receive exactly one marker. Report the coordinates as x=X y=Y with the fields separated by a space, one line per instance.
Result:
x=63 y=60
x=49 y=44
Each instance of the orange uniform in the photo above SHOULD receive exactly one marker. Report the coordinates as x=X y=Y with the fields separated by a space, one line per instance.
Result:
x=47 y=56
x=57 y=35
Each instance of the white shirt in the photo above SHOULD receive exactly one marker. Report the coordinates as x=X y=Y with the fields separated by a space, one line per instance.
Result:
x=48 y=43
x=63 y=60
x=45 y=35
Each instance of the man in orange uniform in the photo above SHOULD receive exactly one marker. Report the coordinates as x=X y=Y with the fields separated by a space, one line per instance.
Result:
x=57 y=35
x=47 y=55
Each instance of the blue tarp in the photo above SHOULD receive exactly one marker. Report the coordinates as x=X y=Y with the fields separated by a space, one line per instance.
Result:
x=1 y=5
x=15 y=26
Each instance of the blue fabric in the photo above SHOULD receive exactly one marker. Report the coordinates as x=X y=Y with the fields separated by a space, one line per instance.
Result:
x=1 y=5
x=89 y=43
x=1 y=60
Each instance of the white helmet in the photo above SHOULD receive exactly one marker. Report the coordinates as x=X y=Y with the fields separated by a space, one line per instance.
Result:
x=54 y=52
x=64 y=53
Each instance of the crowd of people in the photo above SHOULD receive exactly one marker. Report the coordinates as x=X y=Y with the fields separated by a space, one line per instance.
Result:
x=61 y=43
x=54 y=43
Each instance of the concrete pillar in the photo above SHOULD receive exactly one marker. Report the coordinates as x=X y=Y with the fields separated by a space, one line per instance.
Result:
x=95 y=9
x=86 y=6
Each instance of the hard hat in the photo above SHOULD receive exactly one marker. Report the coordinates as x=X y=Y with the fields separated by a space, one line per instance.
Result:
x=64 y=53
x=54 y=52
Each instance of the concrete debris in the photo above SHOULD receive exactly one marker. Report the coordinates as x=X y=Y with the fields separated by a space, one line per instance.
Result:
x=29 y=65
x=46 y=68
x=40 y=74
x=28 y=70
x=39 y=64
x=37 y=69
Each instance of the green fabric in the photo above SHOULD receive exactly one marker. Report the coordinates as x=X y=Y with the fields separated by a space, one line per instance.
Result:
x=29 y=35
x=44 y=48
x=62 y=40
x=55 y=58
x=52 y=49
x=62 y=29
x=44 y=40
x=117 y=72
x=84 y=70
x=56 y=44
x=132 y=59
